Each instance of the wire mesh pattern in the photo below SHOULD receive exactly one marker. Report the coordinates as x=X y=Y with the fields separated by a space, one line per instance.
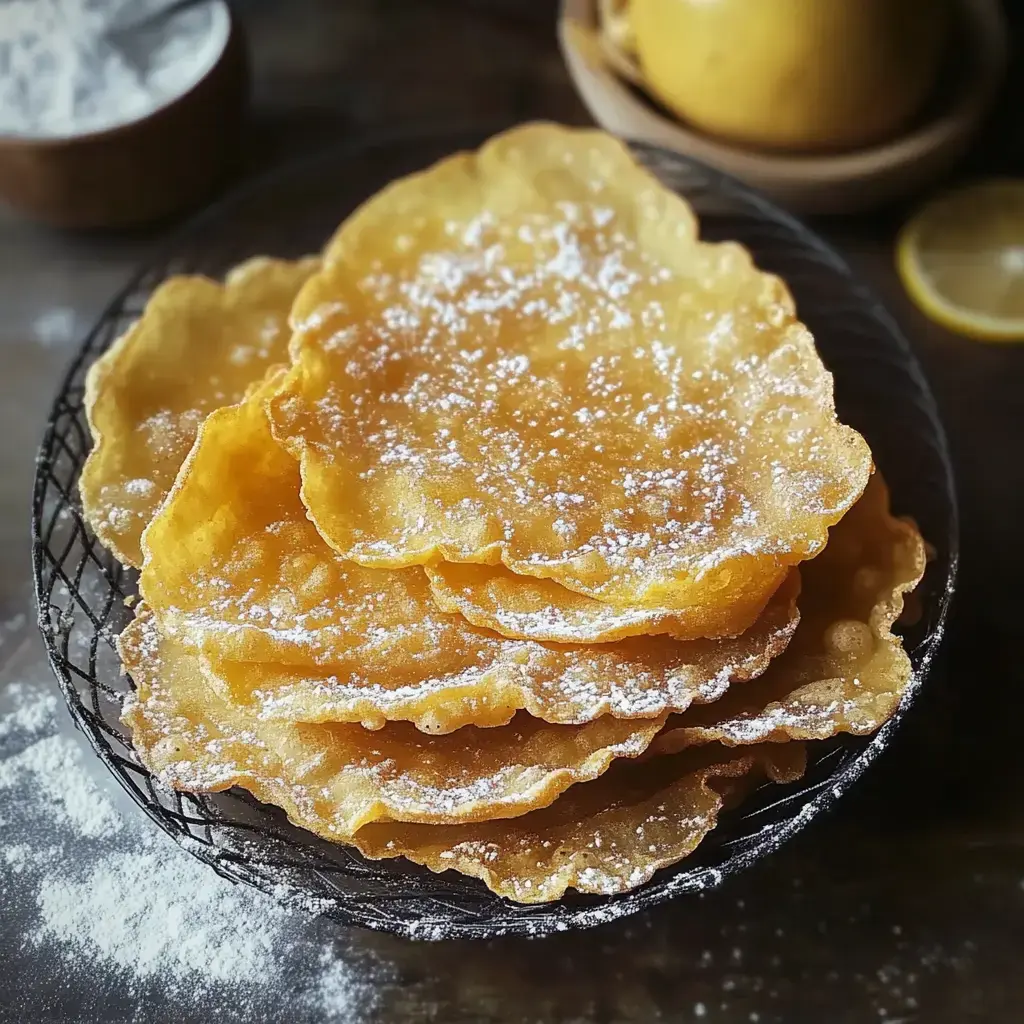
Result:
x=81 y=590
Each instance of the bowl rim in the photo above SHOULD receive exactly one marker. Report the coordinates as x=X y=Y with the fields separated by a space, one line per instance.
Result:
x=49 y=143
x=987 y=34
x=571 y=912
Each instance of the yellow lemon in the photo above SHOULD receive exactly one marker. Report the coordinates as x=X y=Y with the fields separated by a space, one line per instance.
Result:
x=793 y=74
x=616 y=25
x=961 y=258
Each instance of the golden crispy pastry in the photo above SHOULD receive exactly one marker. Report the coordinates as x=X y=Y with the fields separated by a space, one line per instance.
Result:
x=236 y=571
x=441 y=689
x=345 y=783
x=333 y=779
x=844 y=671
x=604 y=837
x=525 y=356
x=197 y=346
x=529 y=608
x=472 y=579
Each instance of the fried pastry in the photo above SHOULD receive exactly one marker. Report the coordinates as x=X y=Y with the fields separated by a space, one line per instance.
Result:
x=198 y=345
x=530 y=608
x=235 y=571
x=334 y=779
x=525 y=356
x=604 y=837
x=542 y=513
x=640 y=677
x=844 y=670
x=446 y=801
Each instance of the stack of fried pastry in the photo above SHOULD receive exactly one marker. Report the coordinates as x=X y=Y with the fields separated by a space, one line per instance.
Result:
x=515 y=534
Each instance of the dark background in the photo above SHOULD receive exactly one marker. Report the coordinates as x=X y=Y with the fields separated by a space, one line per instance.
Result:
x=907 y=902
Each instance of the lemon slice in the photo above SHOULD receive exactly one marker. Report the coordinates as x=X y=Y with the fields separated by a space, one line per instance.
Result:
x=961 y=259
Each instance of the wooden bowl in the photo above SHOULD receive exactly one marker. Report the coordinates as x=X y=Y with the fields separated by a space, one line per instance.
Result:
x=137 y=172
x=814 y=183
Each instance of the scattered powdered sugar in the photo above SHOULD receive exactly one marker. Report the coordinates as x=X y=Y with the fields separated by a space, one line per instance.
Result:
x=338 y=986
x=546 y=388
x=29 y=715
x=104 y=894
x=197 y=930
x=55 y=325
x=51 y=766
x=18 y=856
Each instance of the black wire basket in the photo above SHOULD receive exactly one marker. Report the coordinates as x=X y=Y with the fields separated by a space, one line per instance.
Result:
x=81 y=589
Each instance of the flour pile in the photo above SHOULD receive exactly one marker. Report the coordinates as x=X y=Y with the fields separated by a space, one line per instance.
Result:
x=108 y=896
x=63 y=73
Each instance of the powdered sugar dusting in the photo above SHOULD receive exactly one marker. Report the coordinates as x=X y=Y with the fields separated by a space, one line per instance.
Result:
x=562 y=684
x=597 y=840
x=312 y=636
x=107 y=896
x=30 y=713
x=215 y=938
x=551 y=387
x=334 y=778
x=51 y=764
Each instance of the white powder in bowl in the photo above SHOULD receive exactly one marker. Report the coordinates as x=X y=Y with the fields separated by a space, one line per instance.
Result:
x=62 y=75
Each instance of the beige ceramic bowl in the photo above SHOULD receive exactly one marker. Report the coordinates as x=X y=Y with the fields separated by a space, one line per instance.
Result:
x=816 y=183
x=141 y=171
